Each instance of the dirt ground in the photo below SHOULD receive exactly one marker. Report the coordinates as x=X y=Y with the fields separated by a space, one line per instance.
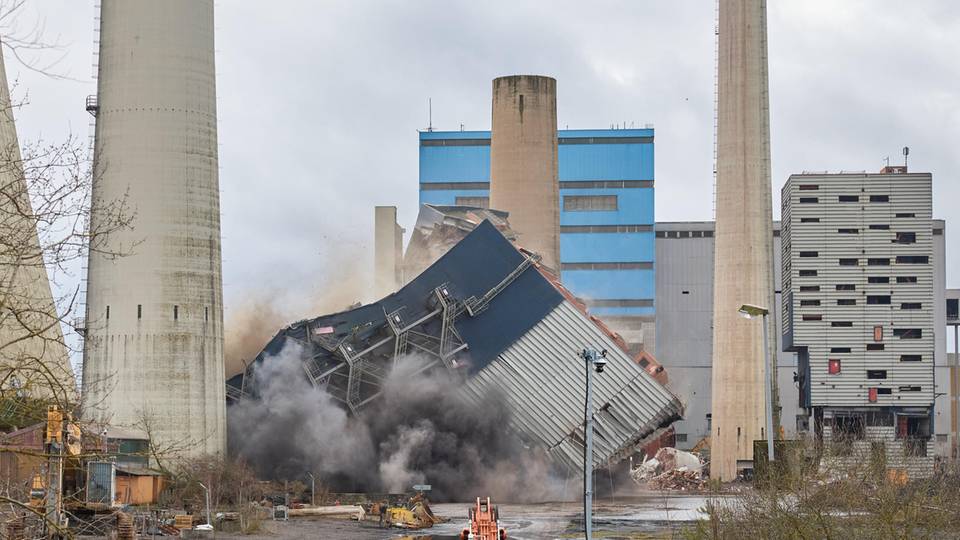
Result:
x=640 y=517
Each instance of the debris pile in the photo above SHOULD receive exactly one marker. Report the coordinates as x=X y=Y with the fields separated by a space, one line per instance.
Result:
x=670 y=469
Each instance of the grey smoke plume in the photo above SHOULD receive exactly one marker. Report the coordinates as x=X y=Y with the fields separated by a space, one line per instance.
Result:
x=420 y=430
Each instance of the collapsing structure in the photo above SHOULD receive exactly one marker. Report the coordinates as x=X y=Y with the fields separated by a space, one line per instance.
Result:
x=492 y=315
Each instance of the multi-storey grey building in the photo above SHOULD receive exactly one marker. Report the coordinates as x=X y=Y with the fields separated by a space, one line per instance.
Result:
x=858 y=305
x=685 y=321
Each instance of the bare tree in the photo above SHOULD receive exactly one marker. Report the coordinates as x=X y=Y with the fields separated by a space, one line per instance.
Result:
x=45 y=234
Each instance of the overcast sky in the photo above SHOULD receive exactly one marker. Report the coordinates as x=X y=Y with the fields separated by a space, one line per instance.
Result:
x=320 y=102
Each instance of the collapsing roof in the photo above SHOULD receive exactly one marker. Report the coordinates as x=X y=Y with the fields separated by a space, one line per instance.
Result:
x=486 y=312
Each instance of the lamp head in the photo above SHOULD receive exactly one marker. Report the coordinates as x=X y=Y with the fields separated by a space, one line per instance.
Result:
x=599 y=363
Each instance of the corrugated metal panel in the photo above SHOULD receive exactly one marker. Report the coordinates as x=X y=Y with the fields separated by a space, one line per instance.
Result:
x=101 y=477
x=907 y=195
x=543 y=379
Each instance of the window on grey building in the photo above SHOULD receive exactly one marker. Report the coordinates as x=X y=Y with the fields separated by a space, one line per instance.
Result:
x=908 y=333
x=846 y=302
x=849 y=198
x=878 y=262
x=911 y=305
x=813 y=317
x=478 y=202
x=848 y=262
x=841 y=324
x=913 y=259
x=906 y=279
x=809 y=288
x=878 y=279
x=876 y=374
x=878 y=299
x=589 y=203
x=807 y=254
x=810 y=220
x=953 y=306
x=846 y=287
x=808 y=273
x=848 y=231
x=880 y=227
x=809 y=187
x=681 y=437
x=905 y=215
x=874 y=346
x=809 y=302
x=910 y=357
x=839 y=350
x=906 y=238
x=879 y=198
x=808 y=200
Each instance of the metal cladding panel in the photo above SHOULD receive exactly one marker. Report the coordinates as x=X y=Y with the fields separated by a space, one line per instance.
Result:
x=101 y=482
x=543 y=378
x=853 y=248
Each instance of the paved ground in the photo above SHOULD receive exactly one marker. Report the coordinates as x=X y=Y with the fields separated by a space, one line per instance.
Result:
x=645 y=516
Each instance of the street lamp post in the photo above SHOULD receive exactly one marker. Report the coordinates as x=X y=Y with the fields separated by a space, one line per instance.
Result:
x=207 y=497
x=313 y=490
x=749 y=311
x=592 y=360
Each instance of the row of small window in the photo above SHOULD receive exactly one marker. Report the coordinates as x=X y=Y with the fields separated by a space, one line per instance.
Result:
x=899 y=238
x=880 y=261
x=874 y=227
x=590 y=203
x=848 y=199
x=903 y=357
x=571 y=203
x=851 y=286
x=879 y=300
x=899 y=333
x=684 y=234
x=176 y=312
x=870 y=279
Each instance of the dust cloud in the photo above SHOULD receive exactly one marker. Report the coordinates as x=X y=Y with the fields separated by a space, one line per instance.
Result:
x=252 y=324
x=420 y=430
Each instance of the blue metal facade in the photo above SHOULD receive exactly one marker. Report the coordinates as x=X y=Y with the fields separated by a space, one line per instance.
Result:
x=607 y=254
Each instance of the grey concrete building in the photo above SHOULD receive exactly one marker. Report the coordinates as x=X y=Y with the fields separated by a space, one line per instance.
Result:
x=947 y=376
x=684 y=325
x=858 y=308
x=684 y=289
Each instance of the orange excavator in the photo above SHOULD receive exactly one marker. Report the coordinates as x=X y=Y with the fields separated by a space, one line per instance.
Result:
x=484 y=523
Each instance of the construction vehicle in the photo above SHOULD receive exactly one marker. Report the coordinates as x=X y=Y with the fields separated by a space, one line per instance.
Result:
x=416 y=514
x=484 y=523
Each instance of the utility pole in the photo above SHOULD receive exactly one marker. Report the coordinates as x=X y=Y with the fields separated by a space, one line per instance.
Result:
x=592 y=360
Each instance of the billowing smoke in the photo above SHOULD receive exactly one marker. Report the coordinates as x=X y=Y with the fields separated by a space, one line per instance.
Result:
x=420 y=430
x=253 y=322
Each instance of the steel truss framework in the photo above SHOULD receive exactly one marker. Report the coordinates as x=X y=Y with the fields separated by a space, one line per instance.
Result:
x=354 y=368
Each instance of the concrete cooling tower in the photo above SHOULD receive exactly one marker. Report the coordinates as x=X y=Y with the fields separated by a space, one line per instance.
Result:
x=30 y=334
x=153 y=355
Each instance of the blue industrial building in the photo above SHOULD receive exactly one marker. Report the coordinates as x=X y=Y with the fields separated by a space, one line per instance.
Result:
x=606 y=212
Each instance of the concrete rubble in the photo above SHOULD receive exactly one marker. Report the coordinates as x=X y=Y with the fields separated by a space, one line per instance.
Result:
x=670 y=469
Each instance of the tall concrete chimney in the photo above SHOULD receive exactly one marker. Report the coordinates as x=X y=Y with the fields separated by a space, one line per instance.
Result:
x=154 y=347
x=743 y=252
x=29 y=323
x=523 y=161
